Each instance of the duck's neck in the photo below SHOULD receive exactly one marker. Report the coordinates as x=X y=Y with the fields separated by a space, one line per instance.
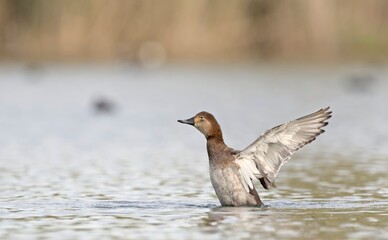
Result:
x=215 y=133
x=216 y=147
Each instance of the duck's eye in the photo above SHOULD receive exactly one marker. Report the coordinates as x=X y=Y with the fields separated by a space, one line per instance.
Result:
x=201 y=117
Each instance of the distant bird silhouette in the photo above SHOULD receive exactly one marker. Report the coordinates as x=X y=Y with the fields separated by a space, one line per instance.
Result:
x=361 y=83
x=104 y=106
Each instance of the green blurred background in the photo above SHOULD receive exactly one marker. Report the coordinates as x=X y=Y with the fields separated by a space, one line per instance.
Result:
x=156 y=32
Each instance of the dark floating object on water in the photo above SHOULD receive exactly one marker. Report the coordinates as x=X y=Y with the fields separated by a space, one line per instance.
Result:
x=361 y=83
x=34 y=71
x=104 y=106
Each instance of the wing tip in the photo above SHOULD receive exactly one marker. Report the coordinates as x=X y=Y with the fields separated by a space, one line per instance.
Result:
x=326 y=112
x=266 y=183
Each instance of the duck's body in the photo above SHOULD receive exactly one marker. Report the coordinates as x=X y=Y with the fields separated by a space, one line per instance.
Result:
x=225 y=176
x=232 y=172
x=228 y=187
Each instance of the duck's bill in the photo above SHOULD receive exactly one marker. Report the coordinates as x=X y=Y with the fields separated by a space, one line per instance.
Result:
x=189 y=121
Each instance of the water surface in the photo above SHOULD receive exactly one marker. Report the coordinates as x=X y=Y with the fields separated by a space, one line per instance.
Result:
x=69 y=170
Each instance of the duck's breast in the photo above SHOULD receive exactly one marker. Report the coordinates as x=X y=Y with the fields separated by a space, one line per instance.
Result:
x=227 y=184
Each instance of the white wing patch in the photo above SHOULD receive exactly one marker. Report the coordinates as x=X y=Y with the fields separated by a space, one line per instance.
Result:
x=265 y=156
x=248 y=172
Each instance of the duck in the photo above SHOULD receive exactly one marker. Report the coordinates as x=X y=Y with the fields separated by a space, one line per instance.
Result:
x=234 y=172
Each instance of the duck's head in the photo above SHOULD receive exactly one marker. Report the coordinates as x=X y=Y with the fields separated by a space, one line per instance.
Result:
x=206 y=123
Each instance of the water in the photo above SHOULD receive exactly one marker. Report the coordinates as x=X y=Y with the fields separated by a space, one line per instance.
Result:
x=69 y=170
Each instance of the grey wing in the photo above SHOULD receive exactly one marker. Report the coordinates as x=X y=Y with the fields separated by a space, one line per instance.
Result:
x=265 y=156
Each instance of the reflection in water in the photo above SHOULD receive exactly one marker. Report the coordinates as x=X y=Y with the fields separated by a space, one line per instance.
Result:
x=230 y=215
x=310 y=220
x=67 y=173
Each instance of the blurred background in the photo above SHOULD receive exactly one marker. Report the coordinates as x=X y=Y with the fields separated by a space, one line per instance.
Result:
x=90 y=92
x=175 y=31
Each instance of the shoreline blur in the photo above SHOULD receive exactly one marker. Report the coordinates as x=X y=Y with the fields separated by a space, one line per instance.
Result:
x=156 y=32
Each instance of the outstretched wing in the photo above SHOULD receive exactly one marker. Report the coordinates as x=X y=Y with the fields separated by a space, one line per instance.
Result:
x=264 y=157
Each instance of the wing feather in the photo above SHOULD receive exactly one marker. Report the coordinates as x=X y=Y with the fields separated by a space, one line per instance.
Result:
x=265 y=156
